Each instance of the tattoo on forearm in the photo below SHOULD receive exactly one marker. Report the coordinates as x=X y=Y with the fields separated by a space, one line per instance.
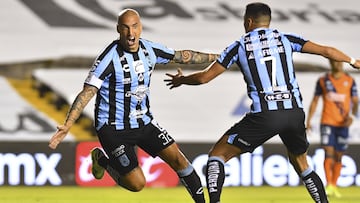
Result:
x=192 y=57
x=79 y=104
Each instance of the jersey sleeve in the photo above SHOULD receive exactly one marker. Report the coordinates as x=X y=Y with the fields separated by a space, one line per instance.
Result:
x=296 y=41
x=97 y=73
x=230 y=55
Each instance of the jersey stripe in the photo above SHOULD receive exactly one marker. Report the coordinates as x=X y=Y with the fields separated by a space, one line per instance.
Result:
x=147 y=55
x=265 y=59
x=126 y=88
x=162 y=54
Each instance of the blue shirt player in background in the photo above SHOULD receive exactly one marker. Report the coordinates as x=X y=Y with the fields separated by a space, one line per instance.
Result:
x=264 y=56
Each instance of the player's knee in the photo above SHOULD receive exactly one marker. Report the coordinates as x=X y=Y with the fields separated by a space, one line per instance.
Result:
x=133 y=181
x=133 y=186
x=136 y=187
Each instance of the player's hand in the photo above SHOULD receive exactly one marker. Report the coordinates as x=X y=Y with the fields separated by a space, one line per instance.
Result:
x=356 y=65
x=58 y=136
x=175 y=80
x=309 y=130
x=348 y=121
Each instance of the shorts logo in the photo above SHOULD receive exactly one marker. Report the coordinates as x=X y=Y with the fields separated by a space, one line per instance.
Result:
x=124 y=160
x=243 y=142
x=118 y=151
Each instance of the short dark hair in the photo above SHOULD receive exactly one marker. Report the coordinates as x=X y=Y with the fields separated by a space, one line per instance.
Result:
x=257 y=9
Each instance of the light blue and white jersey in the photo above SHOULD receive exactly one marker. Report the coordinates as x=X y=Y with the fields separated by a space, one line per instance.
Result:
x=123 y=80
x=265 y=58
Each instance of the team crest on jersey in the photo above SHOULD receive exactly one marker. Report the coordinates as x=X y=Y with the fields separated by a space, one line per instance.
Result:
x=138 y=67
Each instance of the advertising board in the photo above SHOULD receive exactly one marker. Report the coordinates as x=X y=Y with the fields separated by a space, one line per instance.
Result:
x=34 y=164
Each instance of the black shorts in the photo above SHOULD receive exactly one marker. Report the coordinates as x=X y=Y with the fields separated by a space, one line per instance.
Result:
x=120 y=145
x=256 y=128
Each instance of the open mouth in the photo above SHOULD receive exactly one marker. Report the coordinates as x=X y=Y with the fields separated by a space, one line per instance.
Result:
x=131 y=41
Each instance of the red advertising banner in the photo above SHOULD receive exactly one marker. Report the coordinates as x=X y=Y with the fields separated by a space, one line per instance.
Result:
x=156 y=171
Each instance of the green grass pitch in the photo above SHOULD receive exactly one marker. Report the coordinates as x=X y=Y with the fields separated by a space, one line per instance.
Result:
x=75 y=194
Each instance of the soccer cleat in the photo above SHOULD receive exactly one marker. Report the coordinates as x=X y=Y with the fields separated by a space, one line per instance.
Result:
x=96 y=169
x=332 y=190
x=329 y=190
x=336 y=192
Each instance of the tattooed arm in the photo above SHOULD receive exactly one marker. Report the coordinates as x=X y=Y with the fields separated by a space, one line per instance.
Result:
x=74 y=113
x=193 y=57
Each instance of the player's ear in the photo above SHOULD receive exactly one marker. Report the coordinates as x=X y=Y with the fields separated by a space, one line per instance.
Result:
x=247 y=23
x=118 y=28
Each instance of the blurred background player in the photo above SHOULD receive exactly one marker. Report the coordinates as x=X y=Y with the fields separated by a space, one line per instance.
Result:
x=340 y=105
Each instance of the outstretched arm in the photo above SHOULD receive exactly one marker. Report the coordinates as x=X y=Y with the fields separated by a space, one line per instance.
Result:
x=74 y=113
x=193 y=57
x=331 y=53
x=196 y=78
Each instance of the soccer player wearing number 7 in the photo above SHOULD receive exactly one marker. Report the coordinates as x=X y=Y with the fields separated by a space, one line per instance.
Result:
x=340 y=105
x=264 y=56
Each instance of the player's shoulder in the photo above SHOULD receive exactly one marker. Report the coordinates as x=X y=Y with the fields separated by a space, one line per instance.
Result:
x=111 y=45
x=349 y=77
x=146 y=40
x=108 y=49
x=157 y=45
x=346 y=74
x=148 y=43
x=323 y=77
